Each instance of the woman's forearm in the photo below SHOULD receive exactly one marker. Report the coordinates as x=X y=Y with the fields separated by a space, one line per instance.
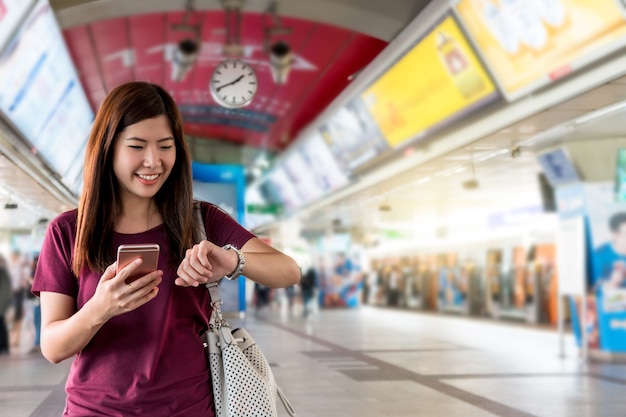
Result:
x=274 y=270
x=63 y=339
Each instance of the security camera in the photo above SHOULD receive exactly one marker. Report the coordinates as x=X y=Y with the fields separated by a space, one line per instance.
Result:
x=185 y=56
x=516 y=152
x=280 y=61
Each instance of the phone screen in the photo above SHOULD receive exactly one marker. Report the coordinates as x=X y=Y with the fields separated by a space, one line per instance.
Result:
x=128 y=253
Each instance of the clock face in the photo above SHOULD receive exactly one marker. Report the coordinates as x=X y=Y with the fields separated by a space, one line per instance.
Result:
x=233 y=84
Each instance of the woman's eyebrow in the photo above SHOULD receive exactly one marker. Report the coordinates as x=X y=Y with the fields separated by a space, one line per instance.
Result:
x=144 y=140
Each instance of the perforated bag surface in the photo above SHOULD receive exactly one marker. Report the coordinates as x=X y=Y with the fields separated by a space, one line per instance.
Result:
x=243 y=382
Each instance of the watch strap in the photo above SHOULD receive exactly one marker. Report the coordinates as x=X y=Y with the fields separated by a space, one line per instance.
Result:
x=241 y=261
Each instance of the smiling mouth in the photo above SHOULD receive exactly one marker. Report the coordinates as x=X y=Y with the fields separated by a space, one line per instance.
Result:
x=148 y=177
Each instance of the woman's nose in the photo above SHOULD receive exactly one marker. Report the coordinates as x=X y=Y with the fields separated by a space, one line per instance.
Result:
x=151 y=157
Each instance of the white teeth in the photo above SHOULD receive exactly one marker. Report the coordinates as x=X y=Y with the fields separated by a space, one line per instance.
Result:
x=148 y=177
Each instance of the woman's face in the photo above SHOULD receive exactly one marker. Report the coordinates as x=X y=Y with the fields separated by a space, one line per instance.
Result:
x=143 y=157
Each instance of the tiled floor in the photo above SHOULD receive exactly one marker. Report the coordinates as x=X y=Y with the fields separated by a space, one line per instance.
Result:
x=373 y=362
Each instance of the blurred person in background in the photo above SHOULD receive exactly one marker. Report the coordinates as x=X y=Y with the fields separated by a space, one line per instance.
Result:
x=262 y=297
x=6 y=297
x=18 y=271
x=308 y=287
x=36 y=305
x=290 y=294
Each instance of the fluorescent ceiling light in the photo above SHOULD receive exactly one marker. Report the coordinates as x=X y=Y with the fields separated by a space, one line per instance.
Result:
x=600 y=113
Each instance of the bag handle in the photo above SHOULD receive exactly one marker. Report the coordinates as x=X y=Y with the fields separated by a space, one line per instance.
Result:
x=288 y=407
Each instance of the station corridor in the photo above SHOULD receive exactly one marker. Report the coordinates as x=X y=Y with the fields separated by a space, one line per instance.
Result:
x=373 y=362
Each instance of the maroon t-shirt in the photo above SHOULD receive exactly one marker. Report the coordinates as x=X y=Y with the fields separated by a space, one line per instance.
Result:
x=148 y=362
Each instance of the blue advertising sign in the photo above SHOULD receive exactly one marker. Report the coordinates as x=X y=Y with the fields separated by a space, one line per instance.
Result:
x=558 y=167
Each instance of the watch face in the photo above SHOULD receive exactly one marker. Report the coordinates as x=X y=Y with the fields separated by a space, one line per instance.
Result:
x=233 y=84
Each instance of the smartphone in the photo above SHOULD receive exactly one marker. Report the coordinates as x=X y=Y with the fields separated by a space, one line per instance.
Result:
x=148 y=252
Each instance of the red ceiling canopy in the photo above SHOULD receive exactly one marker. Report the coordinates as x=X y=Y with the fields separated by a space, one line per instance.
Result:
x=140 y=47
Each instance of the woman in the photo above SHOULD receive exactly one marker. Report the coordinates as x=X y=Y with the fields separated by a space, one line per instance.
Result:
x=137 y=345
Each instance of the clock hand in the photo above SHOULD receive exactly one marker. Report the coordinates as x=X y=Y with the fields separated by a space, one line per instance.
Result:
x=230 y=83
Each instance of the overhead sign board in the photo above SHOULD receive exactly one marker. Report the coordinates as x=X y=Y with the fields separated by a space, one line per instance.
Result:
x=434 y=84
x=558 y=167
x=528 y=44
x=41 y=96
x=353 y=137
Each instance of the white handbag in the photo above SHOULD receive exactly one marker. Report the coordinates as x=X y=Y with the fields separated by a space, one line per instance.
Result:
x=243 y=382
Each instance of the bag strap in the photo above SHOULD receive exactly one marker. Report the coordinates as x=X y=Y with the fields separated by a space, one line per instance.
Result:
x=200 y=228
x=216 y=300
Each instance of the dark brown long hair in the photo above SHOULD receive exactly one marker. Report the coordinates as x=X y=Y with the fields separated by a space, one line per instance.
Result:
x=99 y=204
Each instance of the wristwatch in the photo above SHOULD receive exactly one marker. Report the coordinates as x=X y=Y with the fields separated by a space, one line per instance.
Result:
x=240 y=263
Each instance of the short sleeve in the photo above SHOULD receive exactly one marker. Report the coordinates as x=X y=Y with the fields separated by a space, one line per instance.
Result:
x=54 y=272
x=222 y=228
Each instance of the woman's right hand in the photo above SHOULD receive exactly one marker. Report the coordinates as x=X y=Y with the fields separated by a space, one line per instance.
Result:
x=114 y=296
x=65 y=331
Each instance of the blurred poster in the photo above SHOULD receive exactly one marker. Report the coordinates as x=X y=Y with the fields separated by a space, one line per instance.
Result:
x=452 y=287
x=303 y=178
x=353 y=137
x=283 y=190
x=437 y=82
x=620 y=175
x=12 y=12
x=342 y=281
x=40 y=93
x=614 y=300
x=571 y=255
x=328 y=174
x=255 y=199
x=607 y=223
x=530 y=43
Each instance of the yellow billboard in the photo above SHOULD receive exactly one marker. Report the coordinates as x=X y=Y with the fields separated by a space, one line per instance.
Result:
x=529 y=43
x=438 y=80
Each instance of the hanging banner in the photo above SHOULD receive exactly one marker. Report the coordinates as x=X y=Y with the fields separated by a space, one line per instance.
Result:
x=434 y=84
x=528 y=44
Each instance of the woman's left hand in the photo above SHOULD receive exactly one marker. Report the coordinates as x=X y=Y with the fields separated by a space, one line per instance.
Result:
x=205 y=262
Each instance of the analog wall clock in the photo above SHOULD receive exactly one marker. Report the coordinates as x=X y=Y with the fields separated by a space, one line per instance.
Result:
x=233 y=84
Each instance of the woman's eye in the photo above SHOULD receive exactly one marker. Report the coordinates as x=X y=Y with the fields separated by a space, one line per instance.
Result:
x=135 y=147
x=166 y=147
